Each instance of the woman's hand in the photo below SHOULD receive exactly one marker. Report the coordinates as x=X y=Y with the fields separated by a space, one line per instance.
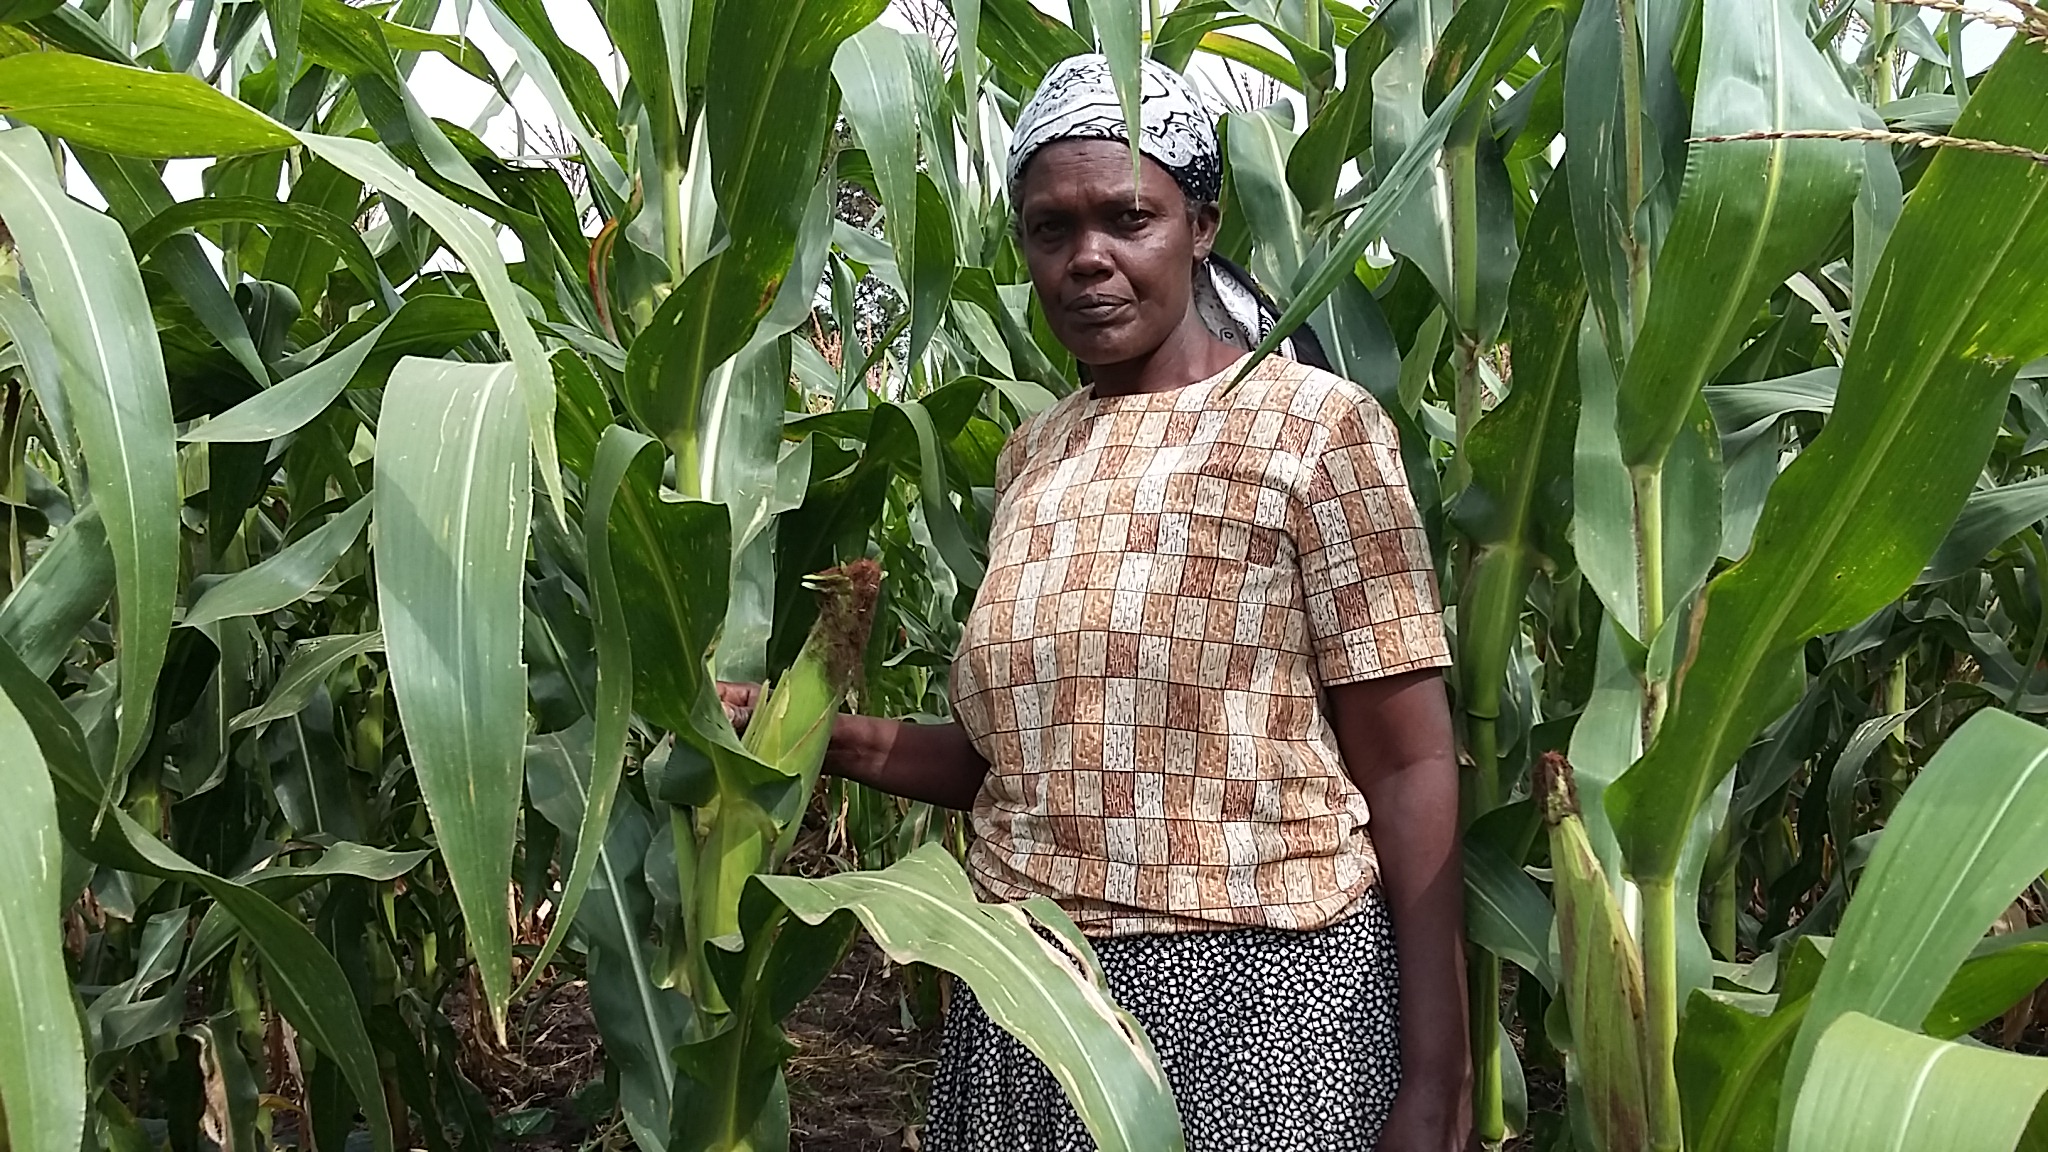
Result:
x=1430 y=1117
x=739 y=701
x=931 y=762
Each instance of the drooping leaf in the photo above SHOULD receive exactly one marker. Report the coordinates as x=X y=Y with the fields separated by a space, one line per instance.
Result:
x=284 y=218
x=304 y=672
x=91 y=296
x=478 y=249
x=1855 y=517
x=1990 y=517
x=131 y=111
x=452 y=498
x=290 y=404
x=920 y=909
x=68 y=586
x=618 y=448
x=877 y=96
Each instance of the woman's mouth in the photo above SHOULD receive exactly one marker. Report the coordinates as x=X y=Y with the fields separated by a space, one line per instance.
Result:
x=1097 y=309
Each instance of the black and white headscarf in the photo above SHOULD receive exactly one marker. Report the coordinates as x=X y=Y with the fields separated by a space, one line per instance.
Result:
x=1078 y=101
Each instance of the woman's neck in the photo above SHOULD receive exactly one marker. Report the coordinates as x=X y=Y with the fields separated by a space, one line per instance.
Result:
x=1190 y=354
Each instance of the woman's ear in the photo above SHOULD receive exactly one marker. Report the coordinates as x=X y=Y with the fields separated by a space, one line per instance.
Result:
x=1205 y=220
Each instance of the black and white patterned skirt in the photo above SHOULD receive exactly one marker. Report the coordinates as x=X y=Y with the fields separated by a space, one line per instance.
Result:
x=1272 y=1040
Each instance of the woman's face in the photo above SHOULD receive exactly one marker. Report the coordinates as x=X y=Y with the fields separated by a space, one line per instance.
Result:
x=1113 y=272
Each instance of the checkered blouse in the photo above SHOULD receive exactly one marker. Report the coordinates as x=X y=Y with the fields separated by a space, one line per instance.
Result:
x=1173 y=577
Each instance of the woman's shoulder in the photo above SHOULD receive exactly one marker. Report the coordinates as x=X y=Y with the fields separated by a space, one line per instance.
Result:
x=1305 y=391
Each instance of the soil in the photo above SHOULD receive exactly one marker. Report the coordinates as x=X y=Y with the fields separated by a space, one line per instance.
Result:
x=857 y=1082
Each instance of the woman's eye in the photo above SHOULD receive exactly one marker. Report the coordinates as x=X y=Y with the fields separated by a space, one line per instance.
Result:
x=1134 y=218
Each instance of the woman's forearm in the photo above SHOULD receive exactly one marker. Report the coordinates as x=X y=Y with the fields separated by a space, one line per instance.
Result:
x=1397 y=740
x=935 y=763
x=1414 y=827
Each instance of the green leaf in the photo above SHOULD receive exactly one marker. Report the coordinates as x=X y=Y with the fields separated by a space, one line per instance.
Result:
x=1119 y=27
x=1875 y=1085
x=1505 y=913
x=283 y=219
x=1518 y=505
x=1024 y=43
x=2001 y=971
x=1854 y=518
x=91 y=295
x=1731 y=1065
x=68 y=586
x=42 y=1055
x=131 y=111
x=1749 y=214
x=1342 y=130
x=766 y=135
x=135 y=192
x=1051 y=997
x=879 y=99
x=452 y=500
x=1259 y=147
x=478 y=250
x=1989 y=518
x=1596 y=163
x=285 y=578
x=572 y=85
x=290 y=404
x=1963 y=841
x=37 y=352
x=618 y=448
x=641 y=1023
x=302 y=978
x=309 y=666
x=1400 y=180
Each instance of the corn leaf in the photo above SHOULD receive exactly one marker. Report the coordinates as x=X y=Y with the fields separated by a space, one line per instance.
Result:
x=1964 y=840
x=921 y=910
x=309 y=665
x=766 y=135
x=42 y=1055
x=70 y=583
x=879 y=99
x=1749 y=213
x=131 y=111
x=284 y=578
x=290 y=404
x=452 y=502
x=304 y=979
x=618 y=448
x=1875 y=1085
x=92 y=298
x=478 y=250
x=1852 y=521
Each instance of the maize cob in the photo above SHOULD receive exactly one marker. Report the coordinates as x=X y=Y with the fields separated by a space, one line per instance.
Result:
x=1602 y=969
x=790 y=731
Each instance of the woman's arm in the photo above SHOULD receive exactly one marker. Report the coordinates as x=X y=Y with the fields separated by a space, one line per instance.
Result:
x=935 y=763
x=1395 y=735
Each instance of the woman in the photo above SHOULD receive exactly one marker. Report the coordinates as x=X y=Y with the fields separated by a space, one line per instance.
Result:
x=1207 y=647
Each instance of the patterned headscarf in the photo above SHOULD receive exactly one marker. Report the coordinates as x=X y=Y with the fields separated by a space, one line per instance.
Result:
x=1078 y=101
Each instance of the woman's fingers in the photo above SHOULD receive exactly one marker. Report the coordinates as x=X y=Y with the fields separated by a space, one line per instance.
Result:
x=739 y=702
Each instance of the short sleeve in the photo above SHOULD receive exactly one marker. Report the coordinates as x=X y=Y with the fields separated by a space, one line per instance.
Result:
x=1368 y=582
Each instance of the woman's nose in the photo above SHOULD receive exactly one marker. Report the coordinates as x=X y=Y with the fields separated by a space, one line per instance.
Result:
x=1091 y=254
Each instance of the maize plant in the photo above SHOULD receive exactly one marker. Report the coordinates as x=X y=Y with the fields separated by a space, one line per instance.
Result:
x=384 y=499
